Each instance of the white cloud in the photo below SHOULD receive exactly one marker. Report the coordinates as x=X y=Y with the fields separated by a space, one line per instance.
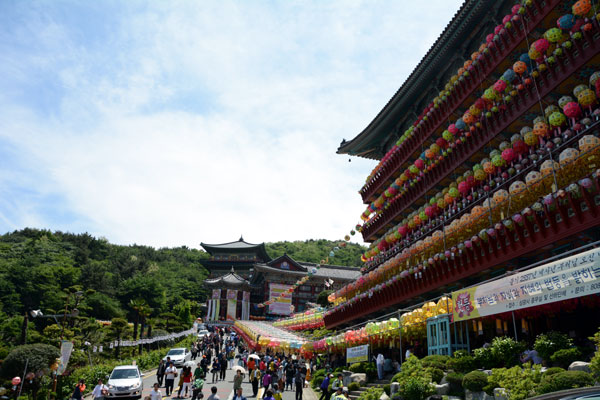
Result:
x=198 y=121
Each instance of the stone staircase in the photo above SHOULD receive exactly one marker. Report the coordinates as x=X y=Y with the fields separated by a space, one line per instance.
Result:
x=355 y=394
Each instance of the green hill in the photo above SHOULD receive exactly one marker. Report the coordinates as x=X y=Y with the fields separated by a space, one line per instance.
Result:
x=317 y=250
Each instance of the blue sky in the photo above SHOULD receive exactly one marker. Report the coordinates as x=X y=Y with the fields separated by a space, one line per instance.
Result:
x=168 y=123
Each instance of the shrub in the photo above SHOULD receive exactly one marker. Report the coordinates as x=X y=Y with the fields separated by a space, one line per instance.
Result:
x=484 y=358
x=565 y=380
x=320 y=372
x=595 y=362
x=436 y=374
x=521 y=383
x=475 y=381
x=549 y=343
x=411 y=368
x=387 y=388
x=416 y=389
x=552 y=371
x=455 y=380
x=38 y=357
x=506 y=351
x=353 y=386
x=357 y=368
x=371 y=371
x=565 y=357
x=373 y=393
x=316 y=381
x=462 y=364
x=436 y=361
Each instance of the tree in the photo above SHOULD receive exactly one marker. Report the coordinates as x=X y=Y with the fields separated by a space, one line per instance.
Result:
x=322 y=298
x=38 y=357
x=144 y=312
x=118 y=326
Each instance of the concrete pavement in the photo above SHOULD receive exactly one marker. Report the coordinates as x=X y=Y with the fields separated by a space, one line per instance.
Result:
x=224 y=388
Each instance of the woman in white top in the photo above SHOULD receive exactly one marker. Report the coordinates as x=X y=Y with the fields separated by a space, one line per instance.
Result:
x=100 y=391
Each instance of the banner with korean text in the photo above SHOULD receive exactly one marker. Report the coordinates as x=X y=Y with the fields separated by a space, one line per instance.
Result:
x=357 y=354
x=216 y=302
x=567 y=278
x=231 y=304
x=283 y=305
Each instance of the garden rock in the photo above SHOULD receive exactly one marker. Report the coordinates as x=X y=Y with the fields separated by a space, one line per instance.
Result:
x=442 y=389
x=346 y=377
x=477 y=396
x=500 y=394
x=580 y=366
x=361 y=378
x=384 y=396
x=394 y=388
x=488 y=372
x=443 y=381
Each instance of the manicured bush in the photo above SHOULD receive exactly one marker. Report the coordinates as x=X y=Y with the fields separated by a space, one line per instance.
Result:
x=320 y=372
x=357 y=368
x=455 y=380
x=522 y=383
x=565 y=380
x=503 y=352
x=371 y=371
x=39 y=357
x=564 y=358
x=411 y=367
x=552 y=371
x=436 y=374
x=353 y=386
x=549 y=343
x=436 y=361
x=475 y=381
x=462 y=364
x=416 y=389
x=373 y=393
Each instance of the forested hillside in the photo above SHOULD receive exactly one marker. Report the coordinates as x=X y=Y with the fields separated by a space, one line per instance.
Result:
x=317 y=250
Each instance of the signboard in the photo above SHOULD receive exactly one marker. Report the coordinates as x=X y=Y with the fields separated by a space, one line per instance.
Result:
x=231 y=303
x=564 y=279
x=216 y=294
x=66 y=348
x=283 y=304
x=357 y=354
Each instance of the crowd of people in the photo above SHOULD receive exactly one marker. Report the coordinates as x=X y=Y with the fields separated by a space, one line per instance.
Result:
x=269 y=373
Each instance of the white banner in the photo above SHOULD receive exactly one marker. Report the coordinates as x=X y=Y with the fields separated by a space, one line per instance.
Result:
x=66 y=348
x=283 y=306
x=567 y=278
x=357 y=354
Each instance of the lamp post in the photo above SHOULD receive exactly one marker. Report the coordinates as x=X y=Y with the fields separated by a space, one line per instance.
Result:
x=39 y=314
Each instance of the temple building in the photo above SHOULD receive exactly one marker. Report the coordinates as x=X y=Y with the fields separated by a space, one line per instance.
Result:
x=487 y=164
x=239 y=255
x=243 y=276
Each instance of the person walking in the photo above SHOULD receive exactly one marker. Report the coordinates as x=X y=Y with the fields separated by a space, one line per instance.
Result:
x=170 y=374
x=251 y=365
x=160 y=372
x=223 y=365
x=100 y=391
x=155 y=393
x=78 y=391
x=299 y=383
x=379 y=363
x=238 y=395
x=213 y=394
x=185 y=384
x=237 y=380
x=289 y=376
x=197 y=389
x=215 y=370
x=338 y=383
x=325 y=388
x=255 y=380
x=266 y=382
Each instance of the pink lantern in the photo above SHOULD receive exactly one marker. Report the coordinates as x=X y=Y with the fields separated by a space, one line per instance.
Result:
x=463 y=188
x=500 y=85
x=572 y=109
x=508 y=155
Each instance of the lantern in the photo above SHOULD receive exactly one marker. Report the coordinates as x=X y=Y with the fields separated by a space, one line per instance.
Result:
x=547 y=167
x=500 y=196
x=567 y=156
x=516 y=187
x=532 y=178
x=588 y=142
x=572 y=109
x=556 y=119
x=540 y=129
x=566 y=21
x=520 y=67
x=582 y=8
x=586 y=97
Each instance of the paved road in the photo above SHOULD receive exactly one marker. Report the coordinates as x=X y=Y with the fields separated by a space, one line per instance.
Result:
x=224 y=388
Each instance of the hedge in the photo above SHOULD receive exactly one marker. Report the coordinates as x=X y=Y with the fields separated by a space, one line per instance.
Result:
x=565 y=380
x=475 y=381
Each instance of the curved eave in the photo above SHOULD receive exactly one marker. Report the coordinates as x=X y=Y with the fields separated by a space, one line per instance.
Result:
x=368 y=143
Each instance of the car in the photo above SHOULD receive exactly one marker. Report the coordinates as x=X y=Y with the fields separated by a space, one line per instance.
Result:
x=125 y=381
x=179 y=356
x=202 y=333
